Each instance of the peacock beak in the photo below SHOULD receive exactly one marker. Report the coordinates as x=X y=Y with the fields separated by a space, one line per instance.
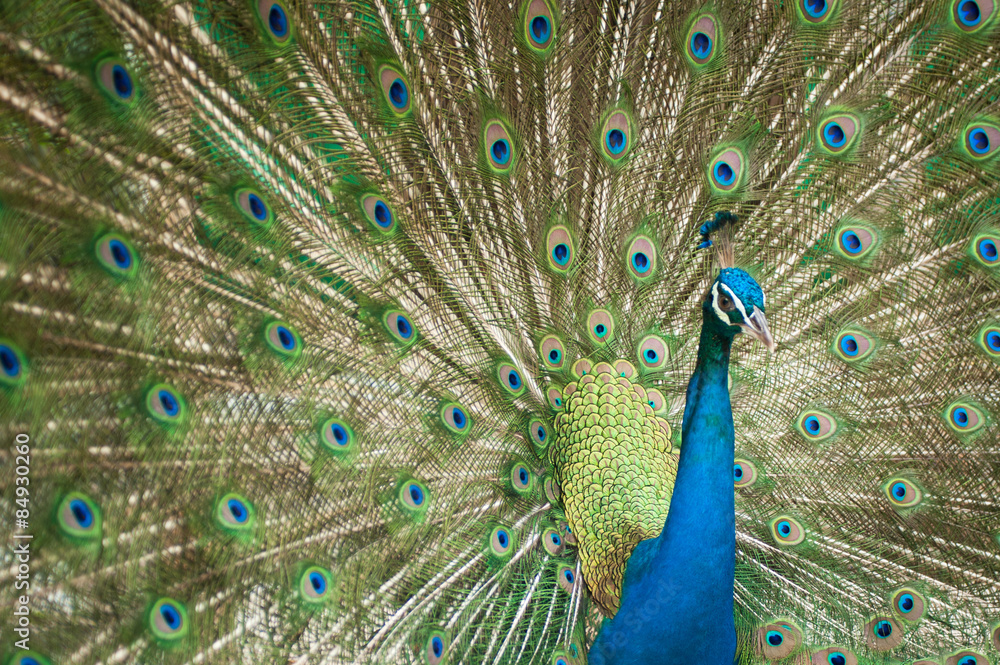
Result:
x=756 y=325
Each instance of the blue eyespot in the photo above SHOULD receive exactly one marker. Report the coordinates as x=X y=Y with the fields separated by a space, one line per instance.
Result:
x=314 y=584
x=601 y=330
x=540 y=29
x=737 y=469
x=285 y=338
x=774 y=638
x=651 y=355
x=555 y=356
x=168 y=401
x=558 y=401
x=115 y=80
x=968 y=660
x=458 y=416
x=701 y=45
x=883 y=629
x=257 y=207
x=168 y=620
x=437 y=646
x=849 y=346
x=961 y=417
x=784 y=528
x=969 y=14
x=339 y=434
x=992 y=340
x=120 y=254
x=724 y=173
x=834 y=134
x=988 y=250
x=568 y=576
x=812 y=424
x=455 y=418
x=556 y=540
x=233 y=513
x=852 y=244
x=277 y=20
x=979 y=140
x=383 y=217
x=171 y=616
x=318 y=582
x=81 y=511
x=640 y=262
x=905 y=603
x=282 y=339
x=122 y=81
x=28 y=660
x=9 y=362
x=413 y=497
x=899 y=491
x=238 y=510
x=541 y=433
x=520 y=479
x=514 y=380
x=836 y=658
x=403 y=327
x=615 y=141
x=815 y=8
x=501 y=152
x=502 y=538
x=416 y=494
x=560 y=253
x=398 y=94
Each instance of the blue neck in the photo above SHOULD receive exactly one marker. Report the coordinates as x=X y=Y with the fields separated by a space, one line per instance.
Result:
x=677 y=598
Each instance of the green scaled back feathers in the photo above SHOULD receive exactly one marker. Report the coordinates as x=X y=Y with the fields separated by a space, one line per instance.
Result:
x=358 y=332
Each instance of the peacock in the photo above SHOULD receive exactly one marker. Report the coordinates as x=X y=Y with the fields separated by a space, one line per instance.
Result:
x=500 y=331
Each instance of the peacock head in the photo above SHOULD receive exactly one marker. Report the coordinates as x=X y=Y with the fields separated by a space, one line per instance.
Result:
x=736 y=303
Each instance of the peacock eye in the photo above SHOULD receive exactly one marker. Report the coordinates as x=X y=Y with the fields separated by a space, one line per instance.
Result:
x=314 y=585
x=778 y=640
x=12 y=365
x=552 y=543
x=436 y=646
x=165 y=404
x=510 y=378
x=726 y=303
x=413 y=497
x=282 y=340
x=455 y=417
x=336 y=436
x=744 y=473
x=552 y=351
x=399 y=326
x=251 y=203
x=168 y=619
x=567 y=579
x=787 y=531
x=902 y=493
x=501 y=542
x=909 y=604
x=520 y=479
x=234 y=513
x=378 y=212
x=79 y=517
x=116 y=81
x=115 y=255
x=883 y=633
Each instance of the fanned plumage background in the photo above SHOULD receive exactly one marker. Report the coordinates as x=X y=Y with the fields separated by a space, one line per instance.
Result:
x=260 y=181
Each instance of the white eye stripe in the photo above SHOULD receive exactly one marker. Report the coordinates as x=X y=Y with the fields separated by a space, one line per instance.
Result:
x=715 y=305
x=736 y=301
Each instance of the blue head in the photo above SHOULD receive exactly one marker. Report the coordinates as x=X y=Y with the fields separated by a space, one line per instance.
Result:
x=735 y=303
